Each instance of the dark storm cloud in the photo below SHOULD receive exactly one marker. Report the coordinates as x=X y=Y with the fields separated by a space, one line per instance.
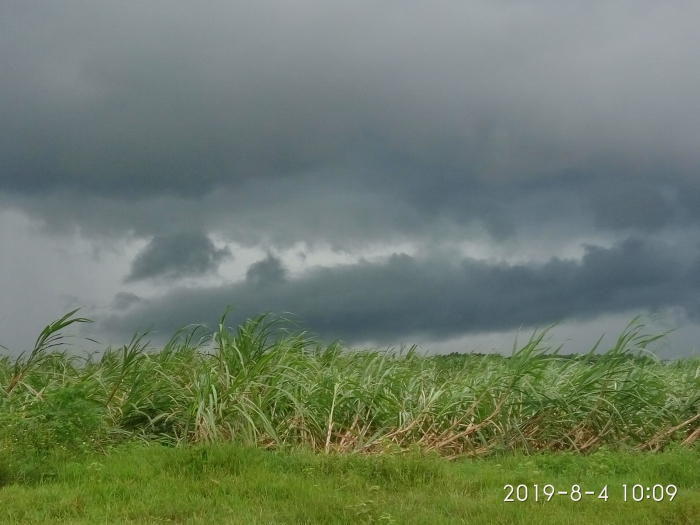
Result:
x=183 y=254
x=124 y=300
x=357 y=125
x=266 y=272
x=456 y=112
x=439 y=297
x=633 y=207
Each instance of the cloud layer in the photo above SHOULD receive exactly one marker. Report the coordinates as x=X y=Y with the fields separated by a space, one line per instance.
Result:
x=182 y=254
x=527 y=129
x=453 y=112
x=441 y=297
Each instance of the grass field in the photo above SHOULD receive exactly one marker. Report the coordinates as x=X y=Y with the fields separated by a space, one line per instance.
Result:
x=256 y=425
x=230 y=484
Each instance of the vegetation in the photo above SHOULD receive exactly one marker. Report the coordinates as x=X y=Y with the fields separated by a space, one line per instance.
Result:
x=230 y=484
x=261 y=386
x=266 y=426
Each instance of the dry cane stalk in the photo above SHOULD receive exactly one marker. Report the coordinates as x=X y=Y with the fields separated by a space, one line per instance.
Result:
x=472 y=428
x=656 y=440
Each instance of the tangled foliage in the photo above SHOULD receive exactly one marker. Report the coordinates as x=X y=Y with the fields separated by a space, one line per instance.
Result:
x=260 y=385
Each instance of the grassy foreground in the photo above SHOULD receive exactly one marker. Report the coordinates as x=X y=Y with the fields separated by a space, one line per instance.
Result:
x=229 y=484
x=256 y=425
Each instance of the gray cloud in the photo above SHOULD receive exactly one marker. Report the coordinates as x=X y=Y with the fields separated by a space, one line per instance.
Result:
x=530 y=127
x=124 y=300
x=453 y=111
x=634 y=207
x=183 y=254
x=439 y=297
x=267 y=272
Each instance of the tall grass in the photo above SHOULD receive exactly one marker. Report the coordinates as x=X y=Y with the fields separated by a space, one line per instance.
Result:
x=263 y=386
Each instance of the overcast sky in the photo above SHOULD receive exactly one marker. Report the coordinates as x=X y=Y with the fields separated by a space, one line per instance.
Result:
x=443 y=173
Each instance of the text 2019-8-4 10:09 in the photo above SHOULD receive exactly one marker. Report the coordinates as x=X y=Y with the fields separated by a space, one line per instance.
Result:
x=638 y=492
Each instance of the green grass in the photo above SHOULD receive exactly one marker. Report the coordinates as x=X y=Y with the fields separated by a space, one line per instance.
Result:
x=257 y=425
x=232 y=484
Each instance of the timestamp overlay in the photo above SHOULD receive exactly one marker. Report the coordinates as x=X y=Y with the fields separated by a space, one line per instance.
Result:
x=628 y=493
